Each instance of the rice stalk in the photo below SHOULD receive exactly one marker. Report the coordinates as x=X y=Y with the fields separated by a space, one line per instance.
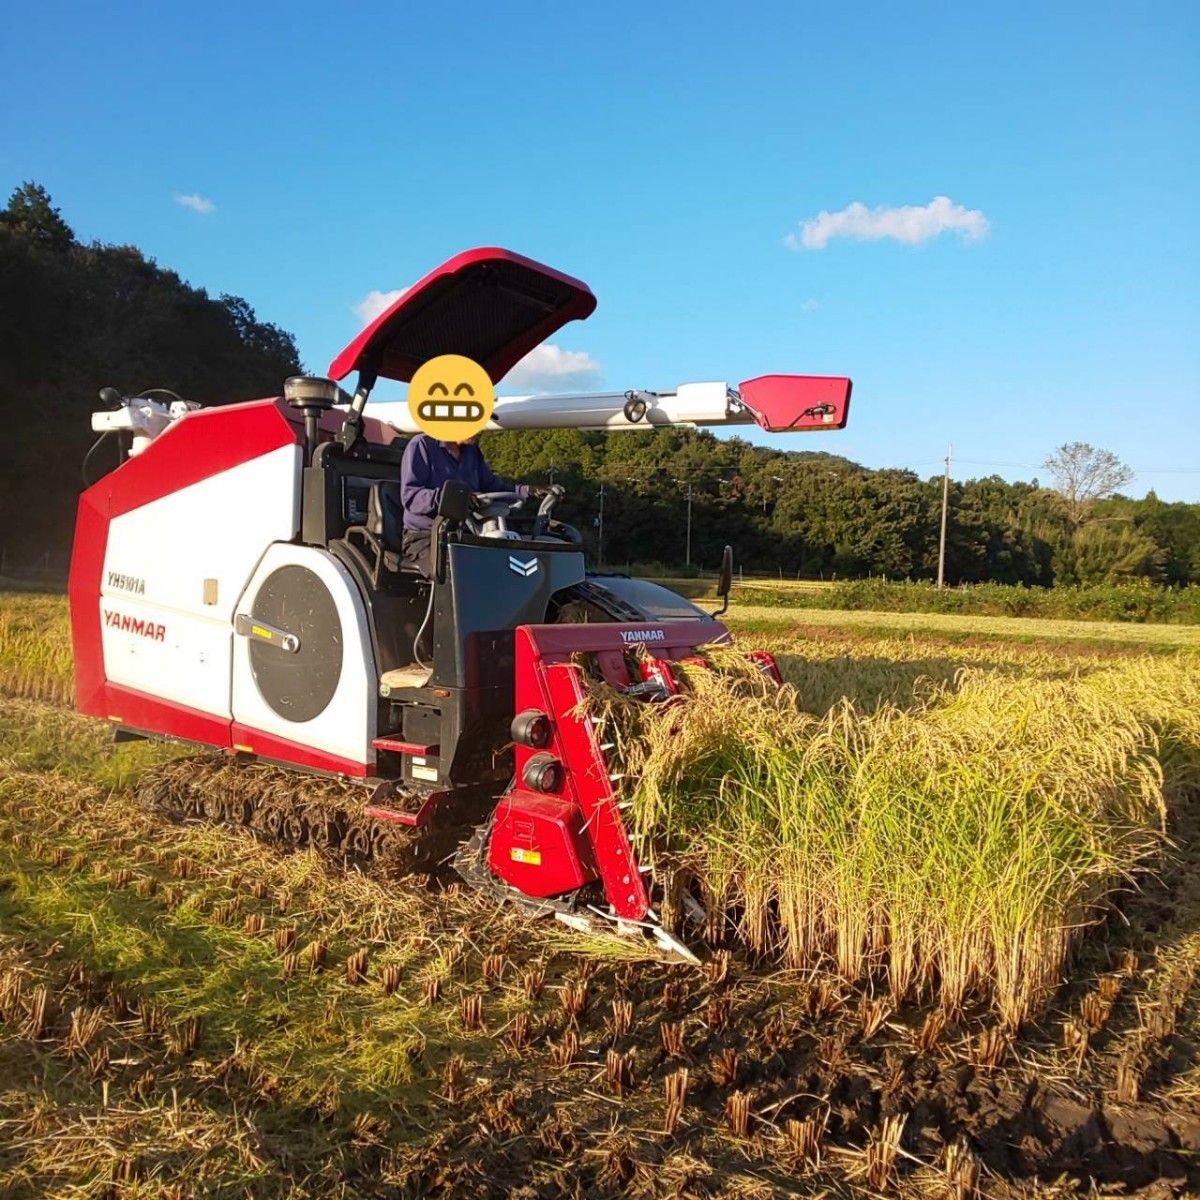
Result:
x=955 y=848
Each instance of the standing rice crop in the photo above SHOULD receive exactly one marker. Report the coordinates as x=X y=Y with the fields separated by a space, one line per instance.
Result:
x=35 y=647
x=956 y=847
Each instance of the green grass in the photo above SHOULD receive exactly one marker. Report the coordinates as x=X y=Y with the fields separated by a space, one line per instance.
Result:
x=35 y=737
x=1134 y=602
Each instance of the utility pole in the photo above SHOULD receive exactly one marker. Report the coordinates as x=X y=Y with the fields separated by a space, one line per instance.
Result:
x=600 y=531
x=942 y=537
x=689 y=526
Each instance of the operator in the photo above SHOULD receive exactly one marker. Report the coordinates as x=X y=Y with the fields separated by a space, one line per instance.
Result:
x=427 y=464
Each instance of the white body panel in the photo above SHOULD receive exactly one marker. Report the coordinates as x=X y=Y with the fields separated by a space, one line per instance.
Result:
x=164 y=629
x=347 y=725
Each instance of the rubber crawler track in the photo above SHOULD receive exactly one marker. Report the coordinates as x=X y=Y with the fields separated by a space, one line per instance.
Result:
x=297 y=812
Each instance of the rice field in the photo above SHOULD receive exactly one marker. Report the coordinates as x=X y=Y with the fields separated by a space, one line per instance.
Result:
x=955 y=844
x=35 y=647
x=956 y=952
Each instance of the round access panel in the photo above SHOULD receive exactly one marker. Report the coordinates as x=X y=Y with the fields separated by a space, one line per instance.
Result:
x=298 y=686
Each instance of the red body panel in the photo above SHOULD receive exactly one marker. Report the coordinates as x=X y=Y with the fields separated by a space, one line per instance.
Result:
x=439 y=302
x=766 y=664
x=151 y=714
x=538 y=844
x=83 y=590
x=658 y=670
x=794 y=403
x=548 y=681
x=194 y=448
x=267 y=745
x=198 y=446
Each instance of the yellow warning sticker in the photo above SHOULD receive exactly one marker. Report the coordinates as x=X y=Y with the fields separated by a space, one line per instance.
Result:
x=532 y=857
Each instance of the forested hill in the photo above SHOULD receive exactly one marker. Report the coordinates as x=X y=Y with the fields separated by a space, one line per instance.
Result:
x=79 y=317
x=75 y=318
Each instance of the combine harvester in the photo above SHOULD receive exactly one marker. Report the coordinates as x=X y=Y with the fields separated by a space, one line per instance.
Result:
x=230 y=587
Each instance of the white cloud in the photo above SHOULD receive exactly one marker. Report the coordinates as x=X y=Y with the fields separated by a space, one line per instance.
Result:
x=375 y=302
x=550 y=368
x=196 y=202
x=911 y=224
x=809 y=306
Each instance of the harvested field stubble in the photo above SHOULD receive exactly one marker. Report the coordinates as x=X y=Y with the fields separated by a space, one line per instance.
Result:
x=954 y=848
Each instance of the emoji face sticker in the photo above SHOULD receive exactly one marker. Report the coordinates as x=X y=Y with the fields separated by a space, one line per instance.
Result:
x=451 y=398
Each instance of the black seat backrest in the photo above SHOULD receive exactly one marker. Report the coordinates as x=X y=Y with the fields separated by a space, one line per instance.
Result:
x=384 y=514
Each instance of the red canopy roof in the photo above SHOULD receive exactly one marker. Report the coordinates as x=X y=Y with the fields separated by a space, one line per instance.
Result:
x=488 y=304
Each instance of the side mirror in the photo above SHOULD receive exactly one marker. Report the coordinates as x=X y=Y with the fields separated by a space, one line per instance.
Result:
x=725 y=580
x=454 y=503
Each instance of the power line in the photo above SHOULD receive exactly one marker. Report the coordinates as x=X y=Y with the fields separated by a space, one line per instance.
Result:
x=984 y=462
x=987 y=462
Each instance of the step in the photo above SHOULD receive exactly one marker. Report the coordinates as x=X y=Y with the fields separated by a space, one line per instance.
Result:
x=422 y=816
x=396 y=746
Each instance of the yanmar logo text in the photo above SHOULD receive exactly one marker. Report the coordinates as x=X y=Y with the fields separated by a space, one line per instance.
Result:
x=135 y=625
x=127 y=583
x=643 y=635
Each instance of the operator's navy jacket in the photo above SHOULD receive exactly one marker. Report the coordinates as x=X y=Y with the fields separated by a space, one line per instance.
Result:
x=426 y=465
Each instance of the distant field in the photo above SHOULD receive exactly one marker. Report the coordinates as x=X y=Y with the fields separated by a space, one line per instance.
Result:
x=35 y=641
x=1113 y=634
x=695 y=588
x=1131 y=602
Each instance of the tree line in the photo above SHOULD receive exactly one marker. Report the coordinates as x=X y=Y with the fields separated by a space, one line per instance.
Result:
x=81 y=316
x=811 y=514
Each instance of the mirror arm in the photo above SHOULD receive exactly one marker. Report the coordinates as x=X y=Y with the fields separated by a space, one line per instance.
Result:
x=351 y=429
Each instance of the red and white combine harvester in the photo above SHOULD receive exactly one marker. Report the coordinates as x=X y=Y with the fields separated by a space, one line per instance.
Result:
x=231 y=587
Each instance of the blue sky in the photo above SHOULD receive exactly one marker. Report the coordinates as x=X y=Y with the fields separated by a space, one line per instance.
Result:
x=665 y=153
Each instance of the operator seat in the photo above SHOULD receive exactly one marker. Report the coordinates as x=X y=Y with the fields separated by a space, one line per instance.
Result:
x=379 y=526
x=376 y=533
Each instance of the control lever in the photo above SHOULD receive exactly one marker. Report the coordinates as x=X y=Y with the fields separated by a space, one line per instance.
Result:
x=554 y=493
